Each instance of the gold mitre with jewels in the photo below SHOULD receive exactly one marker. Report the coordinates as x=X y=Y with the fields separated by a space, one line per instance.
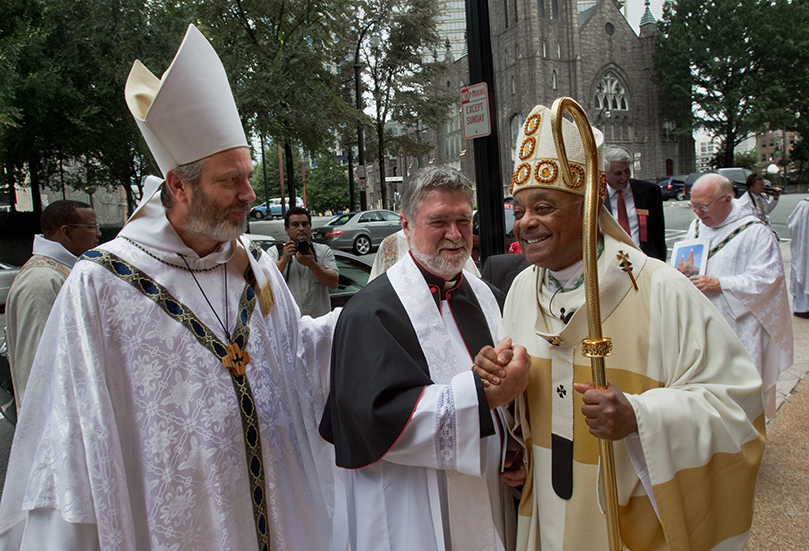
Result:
x=537 y=164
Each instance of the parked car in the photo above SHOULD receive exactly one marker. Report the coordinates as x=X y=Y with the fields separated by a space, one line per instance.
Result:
x=7 y=275
x=737 y=176
x=359 y=232
x=260 y=211
x=508 y=219
x=354 y=271
x=673 y=186
x=690 y=179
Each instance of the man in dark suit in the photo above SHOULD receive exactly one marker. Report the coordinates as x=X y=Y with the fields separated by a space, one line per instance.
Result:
x=636 y=205
x=501 y=269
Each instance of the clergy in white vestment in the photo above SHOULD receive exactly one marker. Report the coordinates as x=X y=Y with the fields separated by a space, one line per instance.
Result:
x=744 y=278
x=423 y=442
x=174 y=400
x=798 y=225
x=757 y=200
x=683 y=408
x=69 y=229
x=393 y=248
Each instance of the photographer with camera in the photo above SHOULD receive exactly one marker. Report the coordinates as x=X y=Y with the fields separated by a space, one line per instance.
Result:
x=309 y=269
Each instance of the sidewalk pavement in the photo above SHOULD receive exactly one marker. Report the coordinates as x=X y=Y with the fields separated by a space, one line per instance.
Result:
x=781 y=517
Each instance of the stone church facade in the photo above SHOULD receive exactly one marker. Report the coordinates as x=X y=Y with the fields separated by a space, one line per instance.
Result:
x=545 y=49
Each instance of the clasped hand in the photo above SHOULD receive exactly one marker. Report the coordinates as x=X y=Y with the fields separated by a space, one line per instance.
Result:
x=503 y=371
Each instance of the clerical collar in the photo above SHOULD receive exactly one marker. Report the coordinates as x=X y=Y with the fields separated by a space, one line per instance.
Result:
x=440 y=288
x=572 y=277
x=53 y=250
x=567 y=279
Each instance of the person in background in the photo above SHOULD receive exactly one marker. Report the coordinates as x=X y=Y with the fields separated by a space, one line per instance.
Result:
x=637 y=205
x=69 y=229
x=309 y=268
x=758 y=200
x=798 y=225
x=744 y=278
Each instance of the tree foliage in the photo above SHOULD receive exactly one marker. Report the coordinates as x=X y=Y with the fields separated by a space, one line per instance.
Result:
x=404 y=77
x=278 y=54
x=327 y=185
x=719 y=65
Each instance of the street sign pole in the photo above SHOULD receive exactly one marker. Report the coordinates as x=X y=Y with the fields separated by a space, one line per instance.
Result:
x=487 y=153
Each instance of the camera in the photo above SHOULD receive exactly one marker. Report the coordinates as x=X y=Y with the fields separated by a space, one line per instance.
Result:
x=303 y=247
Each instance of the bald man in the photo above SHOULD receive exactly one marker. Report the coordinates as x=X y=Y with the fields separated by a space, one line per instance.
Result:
x=744 y=278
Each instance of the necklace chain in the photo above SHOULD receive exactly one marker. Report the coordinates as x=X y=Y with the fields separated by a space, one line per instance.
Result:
x=187 y=268
x=227 y=322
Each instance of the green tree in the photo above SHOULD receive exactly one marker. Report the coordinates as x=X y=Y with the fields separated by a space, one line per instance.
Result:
x=67 y=61
x=278 y=55
x=327 y=185
x=404 y=79
x=714 y=65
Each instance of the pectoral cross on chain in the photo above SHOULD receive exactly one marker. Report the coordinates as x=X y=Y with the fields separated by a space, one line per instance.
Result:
x=235 y=360
x=623 y=258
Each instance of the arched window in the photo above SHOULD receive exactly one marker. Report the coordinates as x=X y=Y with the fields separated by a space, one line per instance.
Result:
x=555 y=9
x=611 y=93
x=514 y=125
x=553 y=80
x=541 y=8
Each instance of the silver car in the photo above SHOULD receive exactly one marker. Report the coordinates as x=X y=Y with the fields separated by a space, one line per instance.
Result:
x=358 y=232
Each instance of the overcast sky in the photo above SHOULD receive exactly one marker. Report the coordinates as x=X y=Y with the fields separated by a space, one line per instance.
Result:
x=635 y=9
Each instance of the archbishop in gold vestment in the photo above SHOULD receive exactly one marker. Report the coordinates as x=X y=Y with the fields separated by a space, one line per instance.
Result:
x=696 y=396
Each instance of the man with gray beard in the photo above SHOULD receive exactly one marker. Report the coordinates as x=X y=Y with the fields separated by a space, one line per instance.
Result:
x=424 y=439
x=175 y=395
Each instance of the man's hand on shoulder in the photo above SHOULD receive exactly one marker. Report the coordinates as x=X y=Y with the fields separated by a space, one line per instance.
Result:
x=607 y=411
x=503 y=370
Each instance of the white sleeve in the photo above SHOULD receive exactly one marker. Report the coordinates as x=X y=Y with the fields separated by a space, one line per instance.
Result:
x=444 y=429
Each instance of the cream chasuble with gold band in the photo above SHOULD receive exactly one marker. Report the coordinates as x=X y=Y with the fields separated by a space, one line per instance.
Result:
x=698 y=408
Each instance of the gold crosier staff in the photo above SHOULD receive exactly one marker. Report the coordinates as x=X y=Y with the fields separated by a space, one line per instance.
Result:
x=596 y=347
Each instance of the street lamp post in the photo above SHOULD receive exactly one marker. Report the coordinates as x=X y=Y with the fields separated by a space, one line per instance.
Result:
x=358 y=90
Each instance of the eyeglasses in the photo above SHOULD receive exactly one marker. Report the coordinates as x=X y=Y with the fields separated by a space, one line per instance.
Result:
x=702 y=208
x=94 y=226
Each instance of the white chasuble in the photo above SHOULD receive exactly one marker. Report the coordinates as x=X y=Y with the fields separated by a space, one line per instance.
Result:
x=133 y=432
x=754 y=297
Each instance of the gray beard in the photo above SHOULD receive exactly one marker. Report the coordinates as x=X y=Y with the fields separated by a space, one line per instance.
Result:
x=443 y=267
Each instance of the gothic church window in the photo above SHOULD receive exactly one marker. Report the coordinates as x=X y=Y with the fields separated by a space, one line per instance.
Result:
x=555 y=9
x=553 y=80
x=611 y=93
x=541 y=8
x=515 y=124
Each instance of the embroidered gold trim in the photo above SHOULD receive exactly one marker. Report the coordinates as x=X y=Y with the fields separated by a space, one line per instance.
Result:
x=546 y=172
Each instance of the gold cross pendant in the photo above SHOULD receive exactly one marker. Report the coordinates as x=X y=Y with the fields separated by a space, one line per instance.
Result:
x=235 y=360
x=623 y=258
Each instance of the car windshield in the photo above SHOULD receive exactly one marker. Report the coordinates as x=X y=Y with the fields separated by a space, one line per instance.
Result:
x=339 y=220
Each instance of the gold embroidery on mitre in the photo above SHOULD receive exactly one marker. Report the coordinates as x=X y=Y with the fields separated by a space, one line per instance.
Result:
x=532 y=124
x=546 y=172
x=520 y=176
x=527 y=149
x=577 y=173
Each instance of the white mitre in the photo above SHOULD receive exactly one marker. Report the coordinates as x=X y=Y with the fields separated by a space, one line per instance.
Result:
x=189 y=113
